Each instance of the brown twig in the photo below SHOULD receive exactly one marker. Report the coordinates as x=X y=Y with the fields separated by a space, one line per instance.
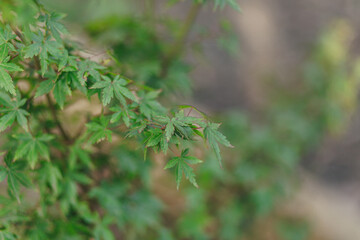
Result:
x=14 y=56
x=174 y=152
x=180 y=41
x=56 y=118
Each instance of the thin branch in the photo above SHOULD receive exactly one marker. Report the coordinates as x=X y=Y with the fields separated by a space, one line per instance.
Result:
x=174 y=152
x=56 y=118
x=18 y=34
x=13 y=57
x=51 y=105
x=180 y=41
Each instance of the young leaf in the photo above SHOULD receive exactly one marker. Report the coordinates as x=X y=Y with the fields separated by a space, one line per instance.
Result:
x=78 y=153
x=6 y=35
x=169 y=130
x=6 y=235
x=32 y=148
x=61 y=90
x=87 y=68
x=164 y=145
x=154 y=138
x=120 y=114
x=43 y=47
x=15 y=176
x=181 y=124
x=12 y=112
x=3 y=173
x=182 y=166
x=52 y=22
x=98 y=130
x=149 y=106
x=44 y=88
x=214 y=137
x=6 y=81
x=50 y=174
x=114 y=87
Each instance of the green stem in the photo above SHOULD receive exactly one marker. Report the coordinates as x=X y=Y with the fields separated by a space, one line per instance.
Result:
x=180 y=41
x=56 y=118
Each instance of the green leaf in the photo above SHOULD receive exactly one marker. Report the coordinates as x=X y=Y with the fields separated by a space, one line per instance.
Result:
x=15 y=176
x=180 y=124
x=98 y=130
x=13 y=186
x=11 y=67
x=148 y=104
x=78 y=153
x=5 y=44
x=6 y=235
x=4 y=52
x=154 y=138
x=204 y=115
x=5 y=100
x=21 y=118
x=119 y=87
x=72 y=78
x=61 y=90
x=192 y=160
x=87 y=68
x=50 y=174
x=12 y=112
x=64 y=60
x=43 y=60
x=102 y=231
x=120 y=114
x=181 y=165
x=6 y=82
x=178 y=173
x=214 y=137
x=32 y=50
x=56 y=28
x=44 y=88
x=169 y=130
x=6 y=35
x=43 y=47
x=145 y=153
x=7 y=120
x=32 y=148
x=164 y=144
x=172 y=163
x=114 y=87
x=3 y=173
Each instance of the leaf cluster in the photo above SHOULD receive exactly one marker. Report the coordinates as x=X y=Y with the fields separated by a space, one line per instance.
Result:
x=59 y=156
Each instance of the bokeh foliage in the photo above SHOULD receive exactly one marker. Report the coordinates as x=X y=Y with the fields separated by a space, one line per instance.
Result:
x=92 y=182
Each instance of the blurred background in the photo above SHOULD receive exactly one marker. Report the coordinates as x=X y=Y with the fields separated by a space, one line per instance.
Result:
x=282 y=76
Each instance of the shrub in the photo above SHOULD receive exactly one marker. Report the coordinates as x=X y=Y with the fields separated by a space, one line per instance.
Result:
x=62 y=162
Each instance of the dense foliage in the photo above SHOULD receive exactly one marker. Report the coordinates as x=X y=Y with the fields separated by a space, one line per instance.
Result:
x=85 y=141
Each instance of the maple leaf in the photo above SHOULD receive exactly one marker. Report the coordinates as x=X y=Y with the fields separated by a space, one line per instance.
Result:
x=214 y=137
x=32 y=148
x=6 y=81
x=115 y=87
x=12 y=111
x=182 y=166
